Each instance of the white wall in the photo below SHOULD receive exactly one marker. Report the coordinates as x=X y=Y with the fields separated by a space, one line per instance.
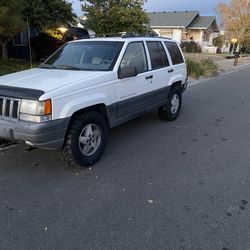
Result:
x=177 y=34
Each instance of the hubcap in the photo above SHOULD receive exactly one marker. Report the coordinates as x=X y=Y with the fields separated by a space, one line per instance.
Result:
x=175 y=102
x=90 y=139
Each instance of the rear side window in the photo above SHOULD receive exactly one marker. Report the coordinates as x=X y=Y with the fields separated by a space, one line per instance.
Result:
x=157 y=55
x=174 y=52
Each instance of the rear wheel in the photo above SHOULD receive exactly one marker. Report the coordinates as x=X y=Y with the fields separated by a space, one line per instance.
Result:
x=86 y=139
x=171 y=109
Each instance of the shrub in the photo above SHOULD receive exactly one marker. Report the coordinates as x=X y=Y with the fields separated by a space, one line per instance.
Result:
x=209 y=67
x=202 y=68
x=219 y=41
x=191 y=47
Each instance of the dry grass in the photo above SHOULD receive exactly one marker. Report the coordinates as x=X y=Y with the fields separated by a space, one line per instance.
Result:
x=201 y=67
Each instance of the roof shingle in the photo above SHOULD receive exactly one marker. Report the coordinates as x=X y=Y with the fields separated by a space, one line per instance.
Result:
x=202 y=22
x=176 y=19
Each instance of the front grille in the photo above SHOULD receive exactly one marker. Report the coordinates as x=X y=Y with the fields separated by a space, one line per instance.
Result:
x=9 y=108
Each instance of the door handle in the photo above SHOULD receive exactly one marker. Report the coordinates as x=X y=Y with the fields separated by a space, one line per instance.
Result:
x=149 y=77
x=171 y=71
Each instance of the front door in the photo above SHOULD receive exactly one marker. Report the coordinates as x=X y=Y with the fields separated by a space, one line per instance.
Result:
x=134 y=95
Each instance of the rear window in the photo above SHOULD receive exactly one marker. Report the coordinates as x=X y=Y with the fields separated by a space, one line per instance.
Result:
x=174 y=52
x=157 y=55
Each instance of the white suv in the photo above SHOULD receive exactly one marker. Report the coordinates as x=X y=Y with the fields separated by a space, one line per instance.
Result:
x=87 y=87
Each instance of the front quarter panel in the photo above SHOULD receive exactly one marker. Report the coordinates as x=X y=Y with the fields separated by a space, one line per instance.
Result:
x=67 y=104
x=71 y=105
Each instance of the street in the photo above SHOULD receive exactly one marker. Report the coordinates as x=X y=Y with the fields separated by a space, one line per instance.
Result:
x=160 y=185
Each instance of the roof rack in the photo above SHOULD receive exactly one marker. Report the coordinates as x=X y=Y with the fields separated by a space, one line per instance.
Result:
x=126 y=35
x=163 y=37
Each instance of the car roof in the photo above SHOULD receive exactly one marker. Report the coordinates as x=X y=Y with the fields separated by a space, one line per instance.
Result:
x=119 y=39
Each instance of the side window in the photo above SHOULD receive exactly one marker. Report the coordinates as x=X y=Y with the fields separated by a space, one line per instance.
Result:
x=157 y=55
x=174 y=52
x=135 y=57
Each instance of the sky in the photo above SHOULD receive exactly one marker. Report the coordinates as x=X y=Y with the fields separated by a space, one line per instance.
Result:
x=205 y=7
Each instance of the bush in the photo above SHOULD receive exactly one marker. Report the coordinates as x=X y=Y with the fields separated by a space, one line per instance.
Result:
x=219 y=41
x=191 y=47
x=44 y=45
x=202 y=68
x=210 y=68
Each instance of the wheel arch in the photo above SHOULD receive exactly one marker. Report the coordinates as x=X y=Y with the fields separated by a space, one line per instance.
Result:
x=176 y=84
x=100 y=108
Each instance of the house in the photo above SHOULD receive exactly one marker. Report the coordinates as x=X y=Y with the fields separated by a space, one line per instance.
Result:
x=185 y=26
x=44 y=45
x=18 y=47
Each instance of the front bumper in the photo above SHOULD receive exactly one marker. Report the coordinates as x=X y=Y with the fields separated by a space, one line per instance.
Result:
x=48 y=135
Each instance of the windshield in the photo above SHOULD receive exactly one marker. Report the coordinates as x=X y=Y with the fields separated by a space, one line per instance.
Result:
x=85 y=55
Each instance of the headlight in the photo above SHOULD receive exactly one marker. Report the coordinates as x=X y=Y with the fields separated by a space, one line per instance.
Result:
x=35 y=111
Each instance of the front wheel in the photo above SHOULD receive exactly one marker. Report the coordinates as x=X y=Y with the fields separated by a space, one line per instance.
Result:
x=171 y=109
x=86 y=139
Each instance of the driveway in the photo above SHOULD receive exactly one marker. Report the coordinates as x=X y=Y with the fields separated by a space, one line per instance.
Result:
x=160 y=185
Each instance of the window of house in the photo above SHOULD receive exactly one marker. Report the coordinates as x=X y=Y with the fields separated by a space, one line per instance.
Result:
x=135 y=56
x=206 y=37
x=157 y=55
x=175 y=53
x=21 y=39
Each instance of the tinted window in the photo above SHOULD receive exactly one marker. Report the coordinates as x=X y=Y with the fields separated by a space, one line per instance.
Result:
x=174 y=52
x=157 y=55
x=135 y=57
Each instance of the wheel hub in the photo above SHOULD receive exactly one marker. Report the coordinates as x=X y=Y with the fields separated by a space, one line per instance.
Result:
x=89 y=139
x=175 y=102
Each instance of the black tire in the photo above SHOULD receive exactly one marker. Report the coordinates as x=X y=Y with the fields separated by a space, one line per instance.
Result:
x=72 y=151
x=168 y=112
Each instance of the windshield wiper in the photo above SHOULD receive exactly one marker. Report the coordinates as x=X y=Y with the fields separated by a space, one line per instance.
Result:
x=47 y=66
x=66 y=67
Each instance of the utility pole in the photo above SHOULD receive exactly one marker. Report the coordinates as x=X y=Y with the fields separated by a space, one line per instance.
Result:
x=30 y=52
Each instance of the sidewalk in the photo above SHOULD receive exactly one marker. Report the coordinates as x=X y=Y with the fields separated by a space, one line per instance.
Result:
x=227 y=65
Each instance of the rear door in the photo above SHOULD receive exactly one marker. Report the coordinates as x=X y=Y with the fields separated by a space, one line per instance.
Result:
x=160 y=70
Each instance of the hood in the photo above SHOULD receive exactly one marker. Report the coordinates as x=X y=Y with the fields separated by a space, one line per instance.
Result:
x=47 y=80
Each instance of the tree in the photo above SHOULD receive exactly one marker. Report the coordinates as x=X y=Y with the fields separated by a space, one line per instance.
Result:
x=219 y=41
x=42 y=14
x=235 y=18
x=11 y=22
x=113 y=16
x=45 y=14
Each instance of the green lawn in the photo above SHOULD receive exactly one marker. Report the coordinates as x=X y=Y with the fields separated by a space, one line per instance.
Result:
x=11 y=66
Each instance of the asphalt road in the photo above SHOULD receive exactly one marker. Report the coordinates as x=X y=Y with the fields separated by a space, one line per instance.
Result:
x=160 y=185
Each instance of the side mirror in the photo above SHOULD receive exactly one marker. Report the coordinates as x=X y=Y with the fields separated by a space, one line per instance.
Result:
x=127 y=72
